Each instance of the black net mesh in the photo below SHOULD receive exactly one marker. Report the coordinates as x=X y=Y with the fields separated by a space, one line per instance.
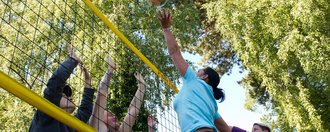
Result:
x=33 y=43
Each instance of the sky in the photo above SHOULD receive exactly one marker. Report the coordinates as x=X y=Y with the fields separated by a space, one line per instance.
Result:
x=232 y=109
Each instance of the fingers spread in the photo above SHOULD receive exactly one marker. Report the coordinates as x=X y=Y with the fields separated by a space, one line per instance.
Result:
x=164 y=13
x=168 y=14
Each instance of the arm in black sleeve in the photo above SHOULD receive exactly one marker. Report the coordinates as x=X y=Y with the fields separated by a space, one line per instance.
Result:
x=86 y=107
x=57 y=81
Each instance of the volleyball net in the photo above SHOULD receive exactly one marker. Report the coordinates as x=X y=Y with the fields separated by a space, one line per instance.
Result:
x=34 y=35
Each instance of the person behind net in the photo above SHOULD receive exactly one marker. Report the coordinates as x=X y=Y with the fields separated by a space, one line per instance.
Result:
x=195 y=104
x=104 y=121
x=59 y=93
x=258 y=127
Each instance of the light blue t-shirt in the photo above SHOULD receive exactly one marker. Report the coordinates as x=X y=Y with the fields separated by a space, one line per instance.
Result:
x=195 y=104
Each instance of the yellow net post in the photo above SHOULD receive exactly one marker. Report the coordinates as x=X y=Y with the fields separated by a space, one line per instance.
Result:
x=130 y=44
x=42 y=104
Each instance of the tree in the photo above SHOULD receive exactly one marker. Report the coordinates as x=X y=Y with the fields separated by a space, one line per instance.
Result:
x=285 y=47
x=34 y=33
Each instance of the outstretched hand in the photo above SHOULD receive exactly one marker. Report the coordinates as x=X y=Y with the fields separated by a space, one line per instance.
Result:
x=165 y=18
x=139 y=78
x=72 y=53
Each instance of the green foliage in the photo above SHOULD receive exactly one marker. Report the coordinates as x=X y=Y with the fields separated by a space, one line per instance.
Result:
x=285 y=46
x=10 y=113
x=214 y=49
x=32 y=44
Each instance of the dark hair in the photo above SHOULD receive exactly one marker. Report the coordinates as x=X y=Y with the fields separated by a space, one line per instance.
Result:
x=67 y=90
x=214 y=81
x=263 y=127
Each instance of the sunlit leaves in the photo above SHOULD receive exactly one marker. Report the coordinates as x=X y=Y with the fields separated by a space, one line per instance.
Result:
x=285 y=47
x=34 y=35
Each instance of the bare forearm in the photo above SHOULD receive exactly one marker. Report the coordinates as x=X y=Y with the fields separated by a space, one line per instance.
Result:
x=101 y=97
x=150 y=129
x=172 y=45
x=101 y=101
x=138 y=98
x=134 y=107
x=105 y=81
x=175 y=53
x=102 y=93
x=99 y=108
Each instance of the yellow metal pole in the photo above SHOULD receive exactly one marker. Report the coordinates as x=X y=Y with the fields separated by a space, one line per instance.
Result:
x=42 y=104
x=129 y=44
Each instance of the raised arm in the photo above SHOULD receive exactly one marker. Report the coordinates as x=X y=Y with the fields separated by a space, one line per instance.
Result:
x=57 y=81
x=165 y=19
x=135 y=105
x=86 y=106
x=101 y=98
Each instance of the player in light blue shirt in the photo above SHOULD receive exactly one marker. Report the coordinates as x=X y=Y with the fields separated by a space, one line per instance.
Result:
x=195 y=104
x=200 y=108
